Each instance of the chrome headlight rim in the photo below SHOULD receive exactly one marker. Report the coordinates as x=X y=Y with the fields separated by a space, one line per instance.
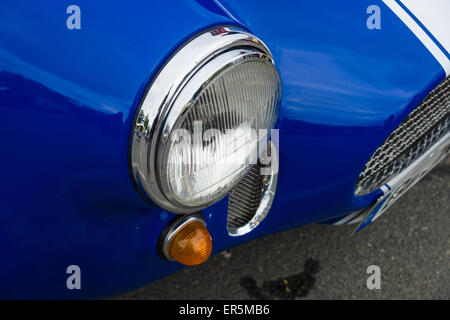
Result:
x=146 y=163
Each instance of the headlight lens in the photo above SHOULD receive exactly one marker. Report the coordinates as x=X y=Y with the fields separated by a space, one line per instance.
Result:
x=205 y=135
x=216 y=141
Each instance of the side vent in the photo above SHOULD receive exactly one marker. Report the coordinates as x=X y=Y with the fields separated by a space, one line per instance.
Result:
x=429 y=122
x=250 y=201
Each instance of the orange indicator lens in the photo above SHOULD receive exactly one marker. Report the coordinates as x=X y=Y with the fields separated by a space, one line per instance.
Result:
x=191 y=245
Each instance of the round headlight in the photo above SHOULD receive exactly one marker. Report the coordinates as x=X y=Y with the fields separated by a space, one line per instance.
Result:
x=204 y=120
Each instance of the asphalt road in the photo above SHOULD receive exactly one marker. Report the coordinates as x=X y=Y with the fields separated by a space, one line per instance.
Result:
x=410 y=244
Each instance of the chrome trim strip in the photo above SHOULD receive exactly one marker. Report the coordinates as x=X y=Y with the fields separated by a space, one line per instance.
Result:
x=401 y=183
x=348 y=219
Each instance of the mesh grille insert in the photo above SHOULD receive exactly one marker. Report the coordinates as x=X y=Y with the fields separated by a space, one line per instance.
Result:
x=416 y=134
x=245 y=198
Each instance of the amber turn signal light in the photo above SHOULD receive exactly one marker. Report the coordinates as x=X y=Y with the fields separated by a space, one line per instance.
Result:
x=187 y=241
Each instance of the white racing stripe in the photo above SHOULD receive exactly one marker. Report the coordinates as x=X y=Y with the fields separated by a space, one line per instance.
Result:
x=420 y=33
x=435 y=16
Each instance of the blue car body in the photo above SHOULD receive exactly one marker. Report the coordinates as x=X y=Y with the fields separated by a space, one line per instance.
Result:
x=68 y=99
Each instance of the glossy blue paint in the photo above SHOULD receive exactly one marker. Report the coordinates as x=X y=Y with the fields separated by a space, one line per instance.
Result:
x=67 y=102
